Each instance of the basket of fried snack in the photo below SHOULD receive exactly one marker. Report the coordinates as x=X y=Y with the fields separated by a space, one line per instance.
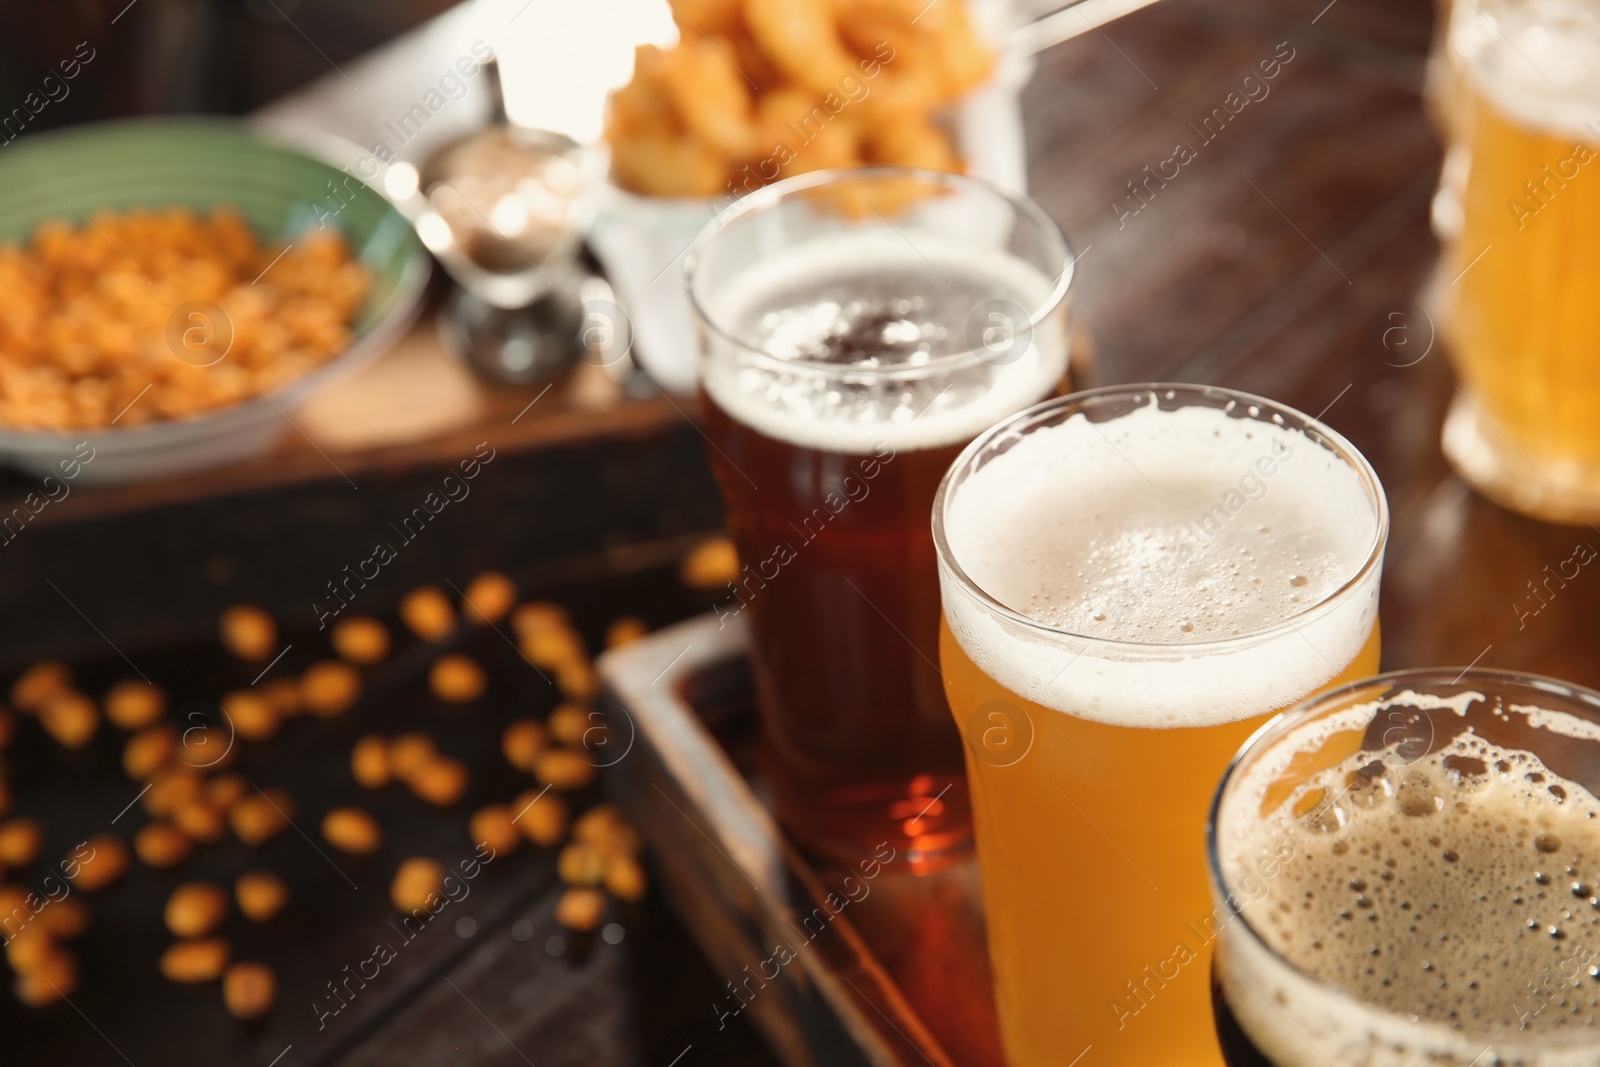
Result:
x=756 y=91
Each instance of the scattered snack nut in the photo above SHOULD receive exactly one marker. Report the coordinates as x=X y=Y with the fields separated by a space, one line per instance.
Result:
x=576 y=680
x=201 y=820
x=195 y=961
x=522 y=741
x=624 y=877
x=580 y=864
x=224 y=790
x=248 y=632
x=252 y=715
x=53 y=979
x=710 y=565
x=148 y=751
x=604 y=827
x=568 y=723
x=64 y=918
x=581 y=908
x=441 y=781
x=625 y=631
x=492 y=826
x=170 y=789
x=195 y=909
x=360 y=639
x=552 y=647
x=204 y=747
x=541 y=816
x=563 y=769
x=329 y=688
x=261 y=816
x=134 y=703
x=488 y=597
x=369 y=762
x=97 y=863
x=428 y=614
x=19 y=844
x=408 y=753
x=260 y=894
x=352 y=830
x=537 y=615
x=457 y=679
x=30 y=948
x=71 y=718
x=34 y=688
x=417 y=880
x=160 y=845
x=248 y=989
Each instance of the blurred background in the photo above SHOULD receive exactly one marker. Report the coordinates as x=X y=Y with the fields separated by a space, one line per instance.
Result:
x=1292 y=258
x=208 y=56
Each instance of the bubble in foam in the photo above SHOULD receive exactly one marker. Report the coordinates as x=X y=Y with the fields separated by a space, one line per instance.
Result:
x=882 y=301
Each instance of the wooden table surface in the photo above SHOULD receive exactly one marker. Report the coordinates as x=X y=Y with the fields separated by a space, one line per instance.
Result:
x=1286 y=258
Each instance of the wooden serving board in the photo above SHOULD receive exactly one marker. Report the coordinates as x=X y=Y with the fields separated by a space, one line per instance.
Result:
x=837 y=966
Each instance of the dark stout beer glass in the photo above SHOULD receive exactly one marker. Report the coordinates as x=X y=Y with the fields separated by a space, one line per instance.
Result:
x=1405 y=873
x=857 y=330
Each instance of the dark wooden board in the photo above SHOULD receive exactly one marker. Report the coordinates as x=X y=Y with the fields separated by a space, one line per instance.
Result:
x=339 y=909
x=609 y=501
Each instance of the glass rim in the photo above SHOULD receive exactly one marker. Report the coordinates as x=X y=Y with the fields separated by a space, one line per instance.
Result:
x=1341 y=446
x=1286 y=721
x=769 y=196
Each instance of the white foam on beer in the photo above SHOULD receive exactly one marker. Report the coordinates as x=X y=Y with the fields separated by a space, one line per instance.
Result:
x=1537 y=61
x=1455 y=890
x=1163 y=528
x=817 y=411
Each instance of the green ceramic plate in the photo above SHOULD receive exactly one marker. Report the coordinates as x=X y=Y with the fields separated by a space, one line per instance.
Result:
x=202 y=164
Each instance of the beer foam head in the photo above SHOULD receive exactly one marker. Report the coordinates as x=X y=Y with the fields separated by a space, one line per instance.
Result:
x=1153 y=531
x=915 y=305
x=1410 y=907
x=1537 y=61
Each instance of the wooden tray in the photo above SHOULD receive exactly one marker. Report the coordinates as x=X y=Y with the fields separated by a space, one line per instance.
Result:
x=837 y=966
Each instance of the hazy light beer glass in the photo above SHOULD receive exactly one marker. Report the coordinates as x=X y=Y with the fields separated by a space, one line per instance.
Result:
x=1522 y=267
x=1405 y=873
x=850 y=348
x=1134 y=578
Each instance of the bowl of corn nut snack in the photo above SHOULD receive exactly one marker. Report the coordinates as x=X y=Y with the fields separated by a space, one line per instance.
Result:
x=175 y=287
x=755 y=91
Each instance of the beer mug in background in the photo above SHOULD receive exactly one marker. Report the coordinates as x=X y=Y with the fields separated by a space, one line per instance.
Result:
x=1522 y=273
x=858 y=329
x=1442 y=100
x=1405 y=873
x=1134 y=578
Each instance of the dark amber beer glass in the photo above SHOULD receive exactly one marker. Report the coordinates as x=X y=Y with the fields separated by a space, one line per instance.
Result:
x=850 y=348
x=1404 y=874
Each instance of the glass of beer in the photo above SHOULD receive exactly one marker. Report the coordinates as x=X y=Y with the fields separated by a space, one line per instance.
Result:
x=1405 y=872
x=857 y=330
x=1134 y=579
x=1522 y=267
